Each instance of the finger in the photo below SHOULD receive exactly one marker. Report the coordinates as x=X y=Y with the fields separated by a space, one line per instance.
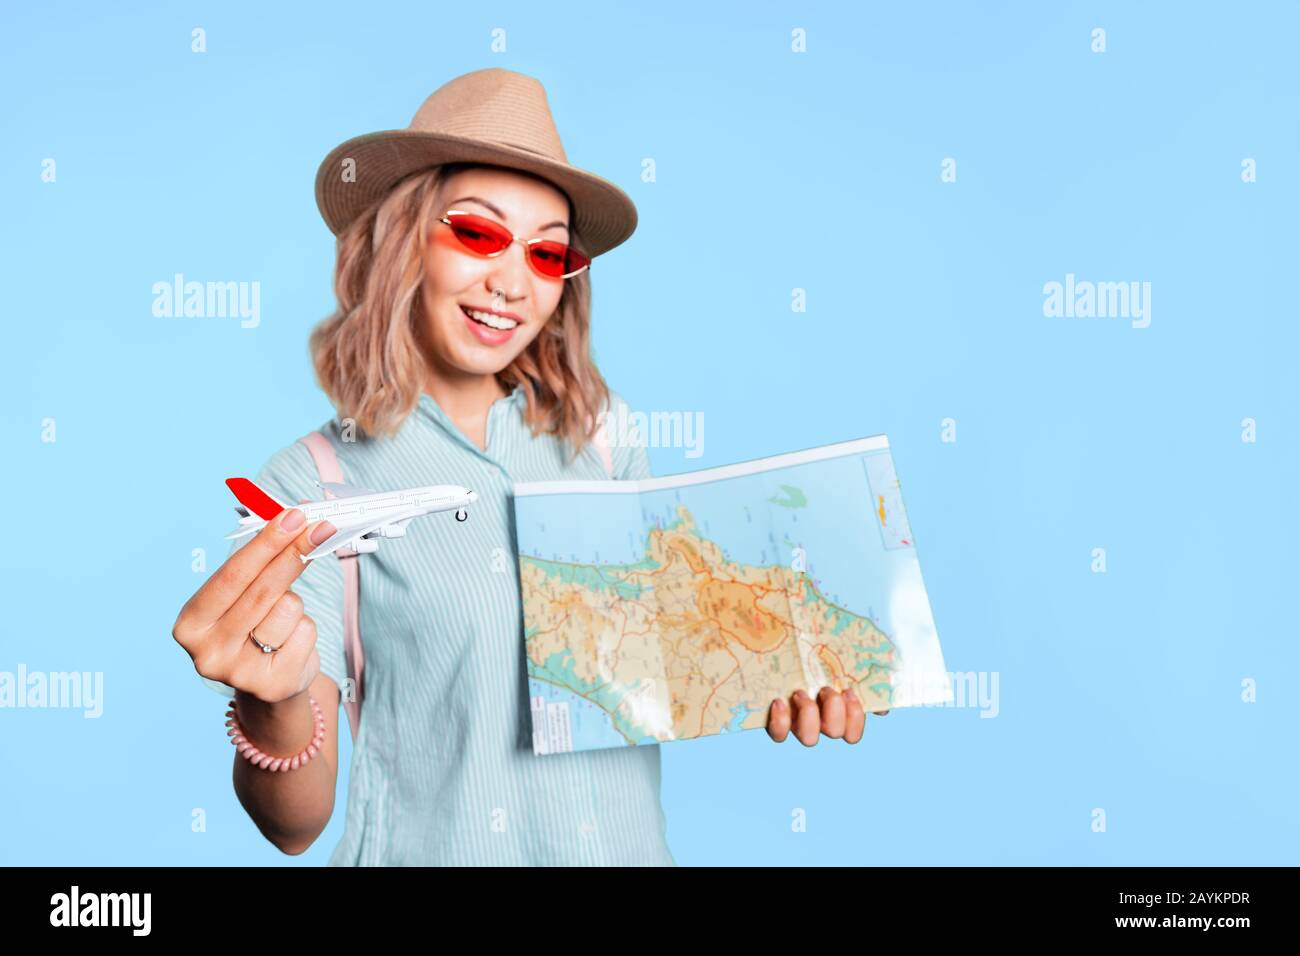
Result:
x=807 y=720
x=274 y=629
x=831 y=703
x=230 y=580
x=240 y=654
x=778 y=720
x=279 y=674
x=275 y=578
x=855 y=720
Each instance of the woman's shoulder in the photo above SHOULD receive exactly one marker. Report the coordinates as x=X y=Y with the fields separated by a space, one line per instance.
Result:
x=291 y=471
x=623 y=431
x=618 y=411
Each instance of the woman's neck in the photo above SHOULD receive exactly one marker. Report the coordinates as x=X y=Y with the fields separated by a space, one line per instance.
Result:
x=465 y=398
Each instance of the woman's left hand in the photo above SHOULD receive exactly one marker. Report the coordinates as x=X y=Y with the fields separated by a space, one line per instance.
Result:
x=834 y=714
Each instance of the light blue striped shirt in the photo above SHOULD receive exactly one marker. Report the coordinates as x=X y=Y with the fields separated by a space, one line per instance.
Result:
x=443 y=771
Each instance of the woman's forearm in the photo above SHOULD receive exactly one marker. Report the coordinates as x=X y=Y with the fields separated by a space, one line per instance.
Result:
x=292 y=807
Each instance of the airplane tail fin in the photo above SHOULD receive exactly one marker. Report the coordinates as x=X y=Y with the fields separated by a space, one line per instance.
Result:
x=255 y=499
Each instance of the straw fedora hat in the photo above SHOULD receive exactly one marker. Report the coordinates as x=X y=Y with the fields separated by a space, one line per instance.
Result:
x=492 y=116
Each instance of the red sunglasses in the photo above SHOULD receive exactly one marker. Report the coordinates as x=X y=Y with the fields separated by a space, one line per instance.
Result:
x=481 y=236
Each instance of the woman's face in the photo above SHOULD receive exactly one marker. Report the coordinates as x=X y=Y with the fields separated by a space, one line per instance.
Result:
x=456 y=279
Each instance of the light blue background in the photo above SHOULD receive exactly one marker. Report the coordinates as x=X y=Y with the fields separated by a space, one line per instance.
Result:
x=775 y=170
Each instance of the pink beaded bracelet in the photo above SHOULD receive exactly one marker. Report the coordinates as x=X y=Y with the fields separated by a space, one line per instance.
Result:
x=265 y=760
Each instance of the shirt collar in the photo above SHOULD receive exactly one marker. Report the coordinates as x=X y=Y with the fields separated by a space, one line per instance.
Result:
x=430 y=409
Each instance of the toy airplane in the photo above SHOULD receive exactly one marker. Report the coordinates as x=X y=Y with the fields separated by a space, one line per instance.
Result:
x=361 y=516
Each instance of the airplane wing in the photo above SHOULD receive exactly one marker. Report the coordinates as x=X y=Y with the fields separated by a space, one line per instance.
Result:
x=243 y=530
x=356 y=529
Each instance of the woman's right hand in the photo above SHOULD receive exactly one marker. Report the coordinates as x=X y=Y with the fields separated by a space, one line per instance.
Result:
x=250 y=592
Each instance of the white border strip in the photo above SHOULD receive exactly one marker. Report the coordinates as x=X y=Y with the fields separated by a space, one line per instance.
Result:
x=615 y=487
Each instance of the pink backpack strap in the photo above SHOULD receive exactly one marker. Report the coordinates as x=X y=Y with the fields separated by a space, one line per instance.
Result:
x=327 y=465
x=602 y=448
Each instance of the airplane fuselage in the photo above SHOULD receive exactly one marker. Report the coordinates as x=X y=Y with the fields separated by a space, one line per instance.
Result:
x=359 y=516
x=374 y=509
x=429 y=499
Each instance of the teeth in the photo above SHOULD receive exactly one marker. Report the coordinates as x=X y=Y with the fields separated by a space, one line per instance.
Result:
x=495 y=321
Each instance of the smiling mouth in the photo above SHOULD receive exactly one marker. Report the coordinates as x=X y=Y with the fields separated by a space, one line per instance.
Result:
x=499 y=323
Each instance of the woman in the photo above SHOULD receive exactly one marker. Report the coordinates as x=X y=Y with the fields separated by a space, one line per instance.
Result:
x=449 y=361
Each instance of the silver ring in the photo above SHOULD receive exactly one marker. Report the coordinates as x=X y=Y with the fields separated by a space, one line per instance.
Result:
x=266 y=648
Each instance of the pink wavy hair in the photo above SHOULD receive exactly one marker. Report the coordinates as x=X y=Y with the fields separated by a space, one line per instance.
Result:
x=367 y=355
